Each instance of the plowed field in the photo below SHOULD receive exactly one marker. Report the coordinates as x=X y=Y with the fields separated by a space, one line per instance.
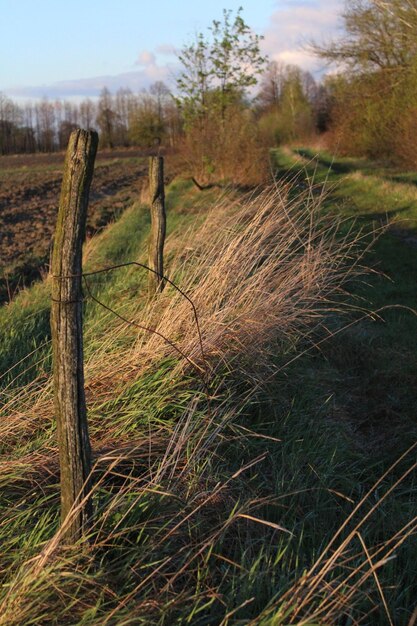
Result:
x=29 y=196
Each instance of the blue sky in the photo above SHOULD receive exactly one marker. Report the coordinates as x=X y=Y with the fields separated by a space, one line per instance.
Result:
x=63 y=48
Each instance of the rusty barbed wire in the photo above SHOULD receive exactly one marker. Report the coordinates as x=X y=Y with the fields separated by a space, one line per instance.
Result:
x=111 y=268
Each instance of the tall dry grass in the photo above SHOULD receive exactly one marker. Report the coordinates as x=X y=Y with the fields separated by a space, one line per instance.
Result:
x=263 y=274
x=260 y=270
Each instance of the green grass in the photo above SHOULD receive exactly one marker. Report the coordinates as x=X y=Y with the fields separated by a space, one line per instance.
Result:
x=374 y=362
x=370 y=190
x=367 y=201
x=298 y=453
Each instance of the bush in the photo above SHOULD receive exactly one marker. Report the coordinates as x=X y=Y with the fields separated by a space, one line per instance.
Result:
x=375 y=115
x=226 y=149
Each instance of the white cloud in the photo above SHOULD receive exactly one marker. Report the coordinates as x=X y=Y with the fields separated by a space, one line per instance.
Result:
x=166 y=49
x=91 y=87
x=146 y=58
x=293 y=26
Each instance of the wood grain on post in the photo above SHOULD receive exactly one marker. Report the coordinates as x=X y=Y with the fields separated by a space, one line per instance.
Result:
x=67 y=340
x=158 y=224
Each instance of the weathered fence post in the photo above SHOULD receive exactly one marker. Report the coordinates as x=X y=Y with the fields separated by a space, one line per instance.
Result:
x=158 y=224
x=67 y=340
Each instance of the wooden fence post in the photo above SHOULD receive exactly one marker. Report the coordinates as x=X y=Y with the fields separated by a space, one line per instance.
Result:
x=158 y=224
x=67 y=340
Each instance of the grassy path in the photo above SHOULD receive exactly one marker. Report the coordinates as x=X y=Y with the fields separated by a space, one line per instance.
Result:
x=378 y=358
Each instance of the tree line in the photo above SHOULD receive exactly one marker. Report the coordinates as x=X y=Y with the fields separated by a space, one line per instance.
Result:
x=122 y=119
x=229 y=102
x=287 y=104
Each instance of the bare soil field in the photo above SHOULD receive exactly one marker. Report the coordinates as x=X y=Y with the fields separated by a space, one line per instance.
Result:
x=29 y=196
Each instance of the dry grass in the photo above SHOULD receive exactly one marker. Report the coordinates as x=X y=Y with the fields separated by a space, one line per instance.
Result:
x=263 y=274
x=257 y=271
x=329 y=591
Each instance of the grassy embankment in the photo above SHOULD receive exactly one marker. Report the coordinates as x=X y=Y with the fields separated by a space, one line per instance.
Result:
x=224 y=511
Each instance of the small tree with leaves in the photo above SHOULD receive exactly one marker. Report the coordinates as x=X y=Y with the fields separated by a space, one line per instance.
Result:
x=217 y=70
x=224 y=64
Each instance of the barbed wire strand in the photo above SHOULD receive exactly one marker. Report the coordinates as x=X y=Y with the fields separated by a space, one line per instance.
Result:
x=111 y=268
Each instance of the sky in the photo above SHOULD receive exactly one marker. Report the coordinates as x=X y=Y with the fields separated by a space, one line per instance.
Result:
x=71 y=49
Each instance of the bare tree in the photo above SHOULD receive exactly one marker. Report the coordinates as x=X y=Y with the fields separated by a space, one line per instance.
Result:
x=379 y=35
x=45 y=125
x=106 y=118
x=271 y=85
x=87 y=113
